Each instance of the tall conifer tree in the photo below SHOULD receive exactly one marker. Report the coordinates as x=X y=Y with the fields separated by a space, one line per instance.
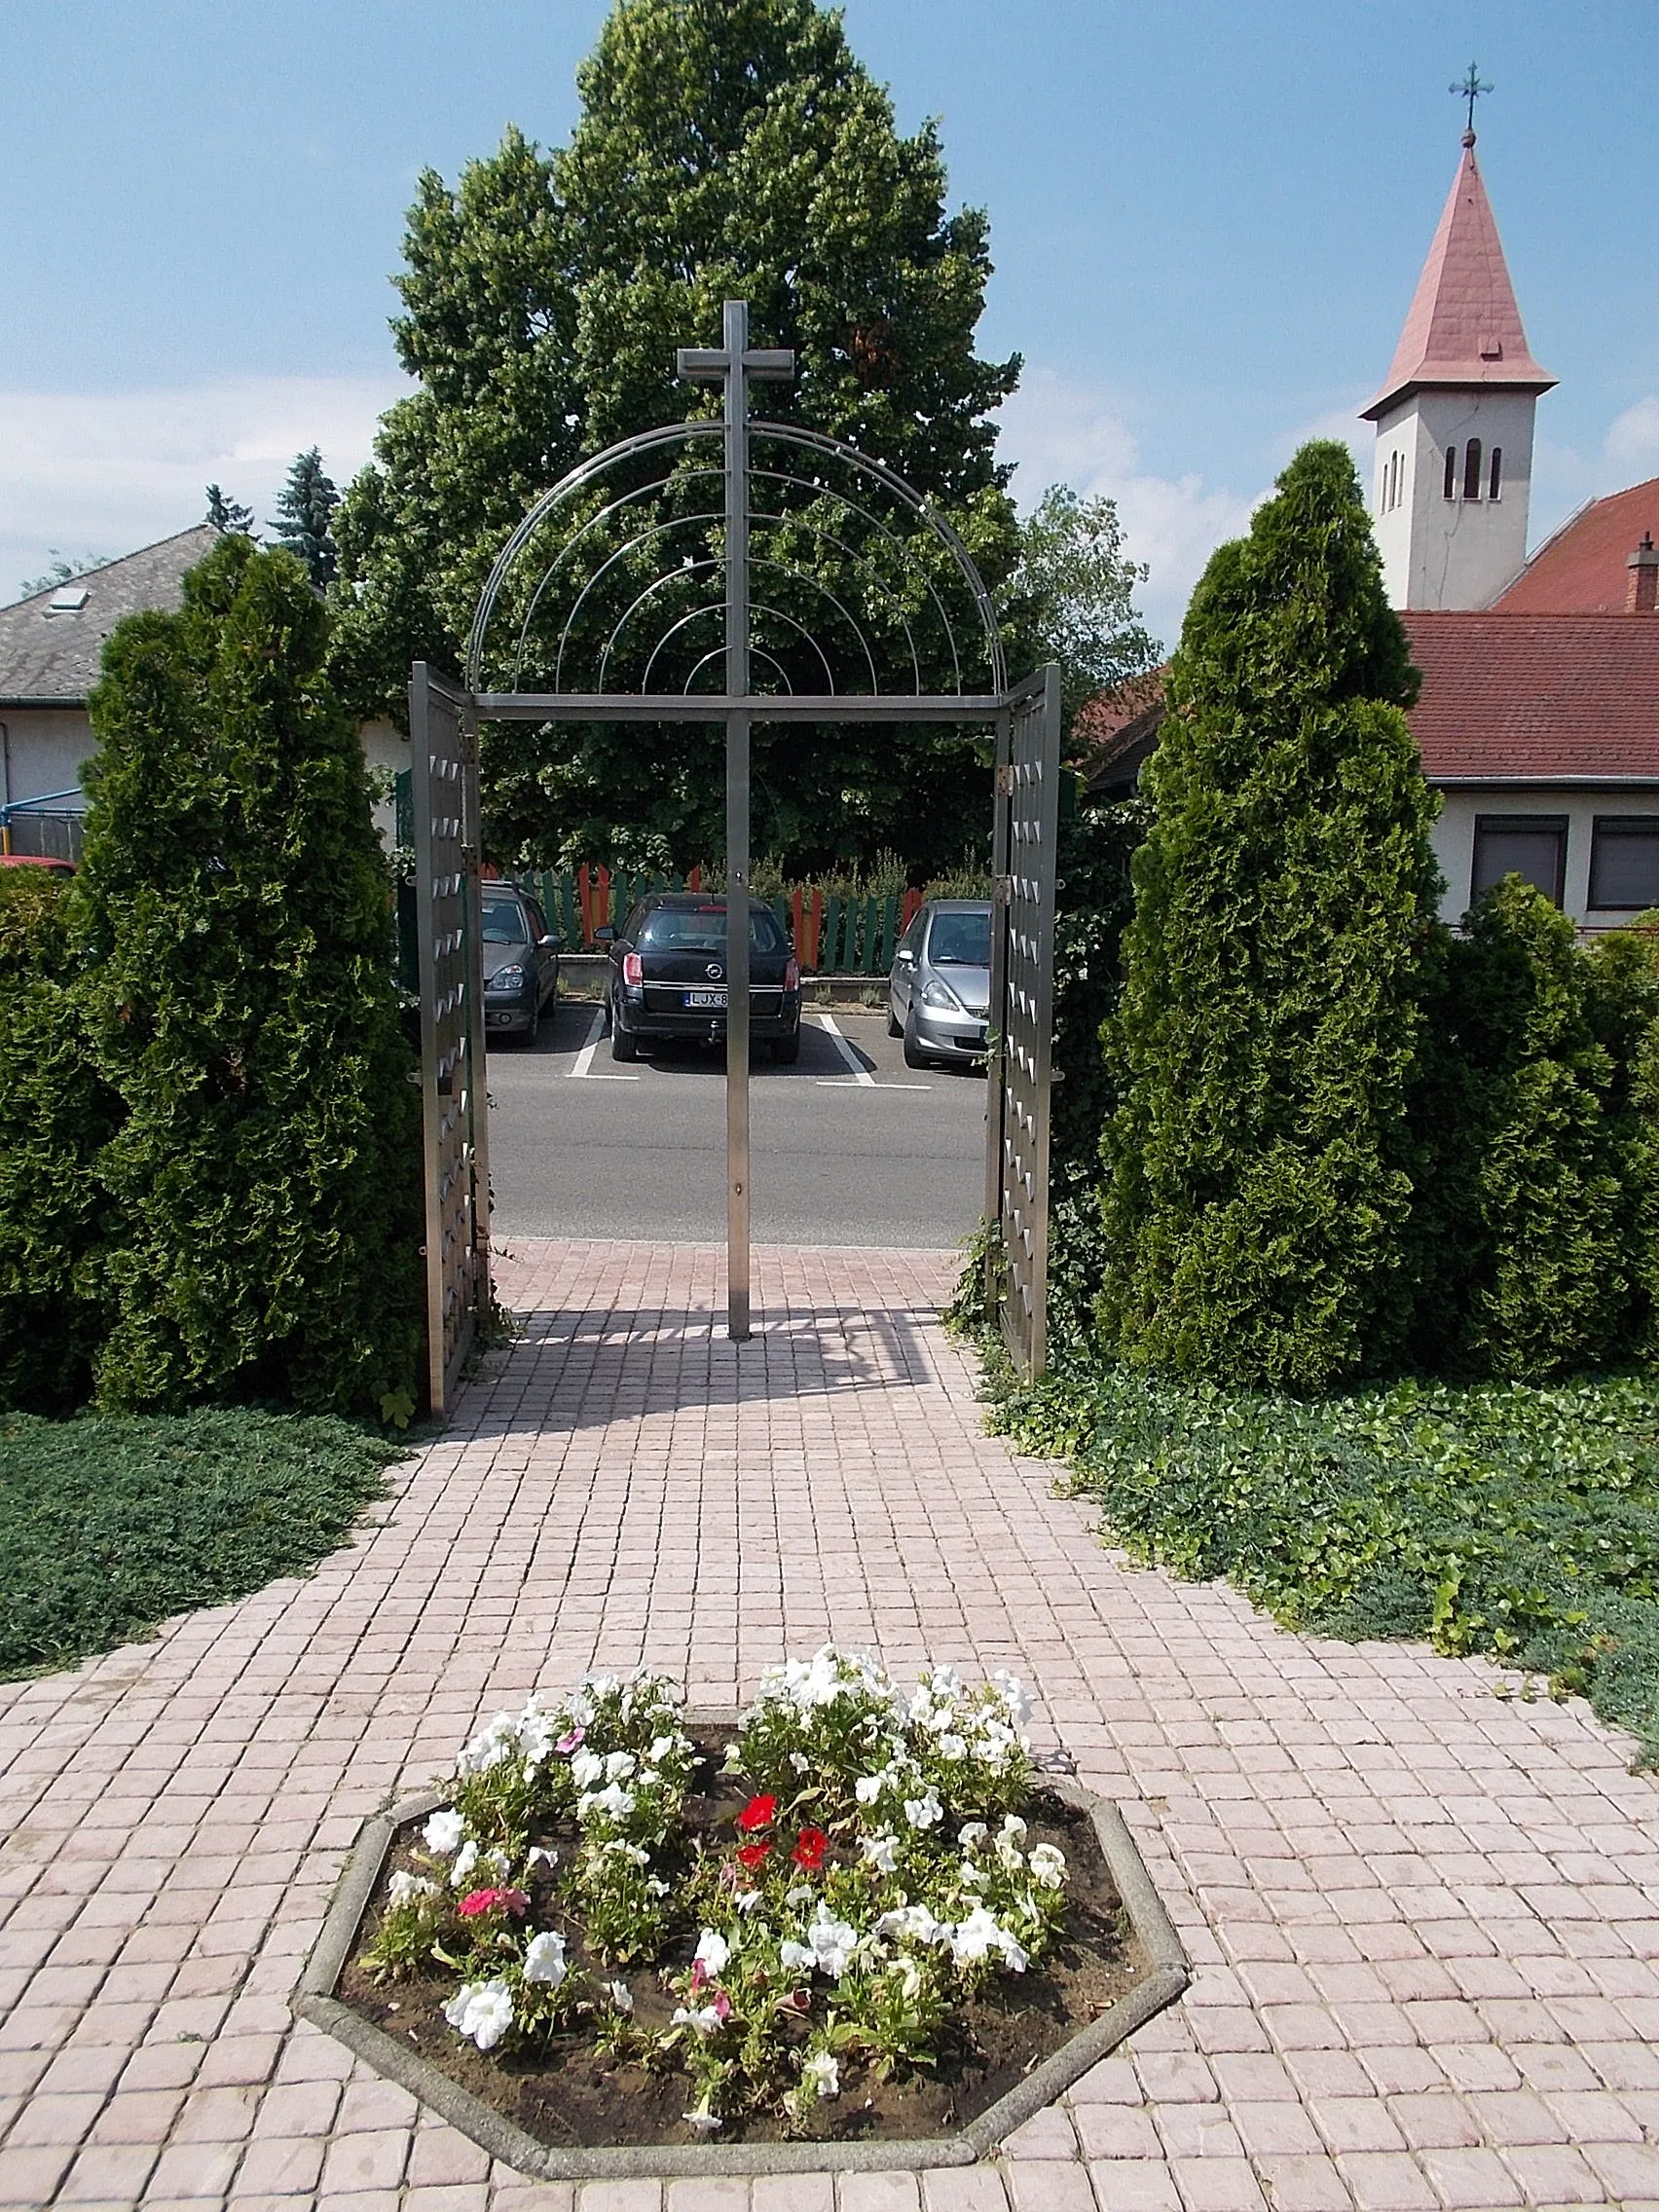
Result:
x=230 y=927
x=1257 y=1171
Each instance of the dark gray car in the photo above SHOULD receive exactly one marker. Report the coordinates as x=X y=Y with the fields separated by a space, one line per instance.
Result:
x=521 y=963
x=939 y=990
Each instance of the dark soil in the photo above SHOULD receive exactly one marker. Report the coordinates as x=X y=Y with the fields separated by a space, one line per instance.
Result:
x=572 y=2098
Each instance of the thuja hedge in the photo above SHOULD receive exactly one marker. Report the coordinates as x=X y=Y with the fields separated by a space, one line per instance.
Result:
x=208 y=1148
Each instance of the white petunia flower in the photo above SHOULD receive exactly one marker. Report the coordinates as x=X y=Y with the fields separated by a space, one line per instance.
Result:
x=821 y=2073
x=880 y=1852
x=713 y=1951
x=443 y=1833
x=922 y=1812
x=1048 y=1865
x=971 y=1833
x=1014 y=1696
x=747 y=1900
x=465 y=1858
x=952 y=1746
x=702 y=2120
x=482 y=2010
x=704 y=2019
x=834 y=1941
x=405 y=1889
x=661 y=1746
x=540 y=1856
x=797 y=1958
x=620 y=1848
x=614 y=1801
x=619 y=1766
x=587 y=1769
x=620 y=1995
x=544 y=1959
x=916 y=1922
x=978 y=1936
x=868 y=1788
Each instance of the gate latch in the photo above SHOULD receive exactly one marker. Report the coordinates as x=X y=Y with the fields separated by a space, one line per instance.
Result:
x=1002 y=890
x=1005 y=780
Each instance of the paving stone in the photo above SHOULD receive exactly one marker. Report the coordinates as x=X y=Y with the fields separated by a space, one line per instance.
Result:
x=1422 y=1918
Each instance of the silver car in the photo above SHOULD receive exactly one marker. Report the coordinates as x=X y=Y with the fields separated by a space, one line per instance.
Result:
x=939 y=991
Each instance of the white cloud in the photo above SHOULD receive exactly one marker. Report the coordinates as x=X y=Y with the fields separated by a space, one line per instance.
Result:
x=107 y=472
x=1633 y=440
x=1059 y=431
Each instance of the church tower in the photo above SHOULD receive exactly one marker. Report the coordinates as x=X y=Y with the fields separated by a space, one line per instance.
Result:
x=1454 y=418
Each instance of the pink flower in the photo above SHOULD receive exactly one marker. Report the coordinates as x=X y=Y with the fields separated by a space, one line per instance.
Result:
x=486 y=1900
x=571 y=1742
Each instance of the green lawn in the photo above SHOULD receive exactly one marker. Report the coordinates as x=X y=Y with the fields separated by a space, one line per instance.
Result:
x=110 y=1524
x=1522 y=1521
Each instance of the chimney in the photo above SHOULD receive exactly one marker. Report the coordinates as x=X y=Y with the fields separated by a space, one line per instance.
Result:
x=1641 y=593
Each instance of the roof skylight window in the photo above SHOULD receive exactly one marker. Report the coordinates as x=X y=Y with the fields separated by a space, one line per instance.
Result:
x=68 y=599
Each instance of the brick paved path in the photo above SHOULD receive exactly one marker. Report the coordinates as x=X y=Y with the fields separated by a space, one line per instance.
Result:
x=1423 y=1918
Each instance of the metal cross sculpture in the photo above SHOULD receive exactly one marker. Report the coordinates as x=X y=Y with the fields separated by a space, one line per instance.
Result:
x=734 y=363
x=1470 y=89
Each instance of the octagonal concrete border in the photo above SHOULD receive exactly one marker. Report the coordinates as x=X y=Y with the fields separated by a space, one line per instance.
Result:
x=316 y=2001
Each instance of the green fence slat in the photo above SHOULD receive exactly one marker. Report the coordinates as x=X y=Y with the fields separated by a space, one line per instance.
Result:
x=831 y=947
x=872 y=913
x=888 y=937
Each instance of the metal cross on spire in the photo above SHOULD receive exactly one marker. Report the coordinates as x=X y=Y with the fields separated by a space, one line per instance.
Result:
x=1470 y=89
x=733 y=364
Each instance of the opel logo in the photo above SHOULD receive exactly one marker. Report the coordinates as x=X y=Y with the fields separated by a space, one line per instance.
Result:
x=714 y=970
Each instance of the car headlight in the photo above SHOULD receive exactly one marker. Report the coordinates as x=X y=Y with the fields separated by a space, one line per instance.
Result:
x=940 y=996
x=506 y=979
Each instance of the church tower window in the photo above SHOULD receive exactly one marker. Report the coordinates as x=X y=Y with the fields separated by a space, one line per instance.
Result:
x=1451 y=472
x=1494 y=482
x=1472 y=469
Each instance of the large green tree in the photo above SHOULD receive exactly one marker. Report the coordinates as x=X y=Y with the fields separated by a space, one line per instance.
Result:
x=1259 y=1166
x=230 y=937
x=726 y=148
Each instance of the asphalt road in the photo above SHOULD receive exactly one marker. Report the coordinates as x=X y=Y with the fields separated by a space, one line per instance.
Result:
x=848 y=1147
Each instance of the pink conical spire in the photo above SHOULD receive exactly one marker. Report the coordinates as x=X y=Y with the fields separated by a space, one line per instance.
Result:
x=1465 y=327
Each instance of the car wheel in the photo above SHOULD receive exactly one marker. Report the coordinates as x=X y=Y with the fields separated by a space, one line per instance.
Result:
x=624 y=1046
x=914 y=1056
x=786 y=1051
x=895 y=1027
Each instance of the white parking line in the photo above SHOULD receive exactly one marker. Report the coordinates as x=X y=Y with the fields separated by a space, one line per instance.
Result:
x=861 y=1076
x=583 y=1064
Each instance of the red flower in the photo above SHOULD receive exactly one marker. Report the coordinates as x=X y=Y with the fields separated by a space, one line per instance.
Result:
x=810 y=1846
x=486 y=1900
x=758 y=1812
x=753 y=1855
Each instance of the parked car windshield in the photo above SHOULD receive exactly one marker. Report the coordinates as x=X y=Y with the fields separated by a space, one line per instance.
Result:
x=702 y=929
x=504 y=923
x=960 y=941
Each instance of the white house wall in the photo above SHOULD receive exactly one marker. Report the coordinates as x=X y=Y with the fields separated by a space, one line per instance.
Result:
x=1455 y=837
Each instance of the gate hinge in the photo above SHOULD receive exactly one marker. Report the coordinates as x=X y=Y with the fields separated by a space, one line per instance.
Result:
x=1002 y=890
x=469 y=859
x=1005 y=780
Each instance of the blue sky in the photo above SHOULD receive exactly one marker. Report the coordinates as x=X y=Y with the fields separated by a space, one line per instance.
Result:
x=1207 y=220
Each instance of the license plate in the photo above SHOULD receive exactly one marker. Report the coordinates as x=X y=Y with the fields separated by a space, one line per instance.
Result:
x=705 y=999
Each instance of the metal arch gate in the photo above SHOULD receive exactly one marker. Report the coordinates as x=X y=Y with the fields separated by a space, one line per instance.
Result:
x=443 y=728
x=443 y=731
x=1022 y=1013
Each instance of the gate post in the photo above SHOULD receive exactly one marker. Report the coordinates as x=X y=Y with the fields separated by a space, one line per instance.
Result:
x=443 y=735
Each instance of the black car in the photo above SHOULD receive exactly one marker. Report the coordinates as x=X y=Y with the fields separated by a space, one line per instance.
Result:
x=521 y=963
x=668 y=975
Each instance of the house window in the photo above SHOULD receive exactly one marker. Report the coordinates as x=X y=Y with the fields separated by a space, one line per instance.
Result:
x=1531 y=846
x=1624 y=861
x=1494 y=482
x=1451 y=472
x=1472 y=469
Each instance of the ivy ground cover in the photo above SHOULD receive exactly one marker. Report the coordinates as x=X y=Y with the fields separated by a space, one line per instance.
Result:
x=110 y=1524
x=1518 y=1521
x=853 y=1915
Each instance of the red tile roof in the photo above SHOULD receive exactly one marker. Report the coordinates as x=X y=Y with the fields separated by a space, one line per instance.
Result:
x=1546 y=695
x=1584 y=568
x=1463 y=327
x=1551 y=696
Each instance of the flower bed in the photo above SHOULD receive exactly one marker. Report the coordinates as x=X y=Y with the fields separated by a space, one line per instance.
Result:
x=853 y=1916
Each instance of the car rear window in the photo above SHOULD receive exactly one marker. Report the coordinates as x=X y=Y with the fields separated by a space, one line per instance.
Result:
x=961 y=941
x=504 y=922
x=702 y=929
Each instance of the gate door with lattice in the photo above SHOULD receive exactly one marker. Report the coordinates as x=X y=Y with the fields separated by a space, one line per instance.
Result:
x=443 y=735
x=1022 y=1009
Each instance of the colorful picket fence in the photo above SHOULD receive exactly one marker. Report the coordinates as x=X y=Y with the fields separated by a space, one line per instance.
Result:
x=834 y=934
